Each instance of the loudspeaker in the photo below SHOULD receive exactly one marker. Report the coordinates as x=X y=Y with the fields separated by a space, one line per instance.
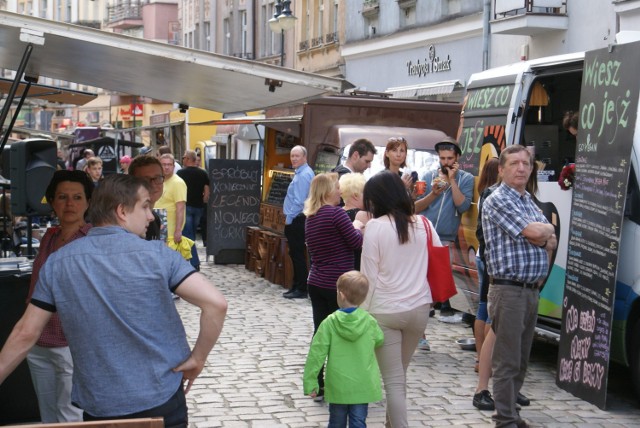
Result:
x=32 y=165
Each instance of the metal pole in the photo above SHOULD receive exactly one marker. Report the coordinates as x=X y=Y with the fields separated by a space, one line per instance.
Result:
x=12 y=91
x=486 y=17
x=281 y=48
x=5 y=137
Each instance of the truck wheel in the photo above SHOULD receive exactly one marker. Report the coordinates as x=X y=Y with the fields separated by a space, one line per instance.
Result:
x=634 y=358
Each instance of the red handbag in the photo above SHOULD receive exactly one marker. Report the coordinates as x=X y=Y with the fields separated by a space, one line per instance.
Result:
x=439 y=273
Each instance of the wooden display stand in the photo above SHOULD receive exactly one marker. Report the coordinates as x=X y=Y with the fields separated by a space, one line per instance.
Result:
x=268 y=256
x=267 y=252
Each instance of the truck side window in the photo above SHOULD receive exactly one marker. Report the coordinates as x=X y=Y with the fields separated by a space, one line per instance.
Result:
x=632 y=205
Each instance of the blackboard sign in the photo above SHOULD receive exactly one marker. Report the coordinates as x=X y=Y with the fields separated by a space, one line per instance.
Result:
x=234 y=204
x=278 y=188
x=608 y=106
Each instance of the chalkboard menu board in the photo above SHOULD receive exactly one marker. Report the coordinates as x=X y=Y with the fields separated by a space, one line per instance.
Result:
x=608 y=106
x=278 y=188
x=234 y=204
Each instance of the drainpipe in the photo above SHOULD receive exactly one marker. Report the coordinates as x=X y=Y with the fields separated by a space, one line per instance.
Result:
x=201 y=36
x=486 y=17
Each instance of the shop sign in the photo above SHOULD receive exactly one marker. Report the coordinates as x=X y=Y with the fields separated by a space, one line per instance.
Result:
x=431 y=64
x=127 y=112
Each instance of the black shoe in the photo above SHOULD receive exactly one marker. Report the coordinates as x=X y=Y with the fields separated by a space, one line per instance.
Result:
x=432 y=313
x=288 y=293
x=447 y=311
x=483 y=401
x=297 y=294
x=522 y=400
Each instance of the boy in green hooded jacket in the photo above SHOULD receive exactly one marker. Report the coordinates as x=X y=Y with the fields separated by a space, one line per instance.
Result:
x=346 y=340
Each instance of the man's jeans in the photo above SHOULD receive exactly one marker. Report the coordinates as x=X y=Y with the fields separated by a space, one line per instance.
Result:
x=191 y=223
x=356 y=413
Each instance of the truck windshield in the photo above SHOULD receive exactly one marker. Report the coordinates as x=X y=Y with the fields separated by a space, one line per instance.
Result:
x=417 y=160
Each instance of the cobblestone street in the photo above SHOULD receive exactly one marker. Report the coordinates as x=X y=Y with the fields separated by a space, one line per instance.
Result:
x=254 y=374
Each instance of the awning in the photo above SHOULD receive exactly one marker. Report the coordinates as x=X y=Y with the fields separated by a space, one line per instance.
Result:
x=151 y=69
x=426 y=89
x=49 y=93
x=288 y=124
x=36 y=132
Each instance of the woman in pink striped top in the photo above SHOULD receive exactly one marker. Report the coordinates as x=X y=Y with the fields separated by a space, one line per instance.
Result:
x=331 y=239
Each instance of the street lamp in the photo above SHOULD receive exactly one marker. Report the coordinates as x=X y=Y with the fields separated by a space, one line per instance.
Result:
x=282 y=21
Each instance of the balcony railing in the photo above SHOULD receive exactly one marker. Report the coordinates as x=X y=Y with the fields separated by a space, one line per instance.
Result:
x=331 y=38
x=123 y=11
x=245 y=55
x=370 y=8
x=316 y=41
x=529 y=17
x=505 y=8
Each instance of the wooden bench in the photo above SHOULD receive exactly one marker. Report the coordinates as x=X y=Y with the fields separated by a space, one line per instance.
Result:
x=115 y=423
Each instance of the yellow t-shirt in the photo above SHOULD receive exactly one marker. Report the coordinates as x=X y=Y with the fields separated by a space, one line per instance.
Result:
x=175 y=190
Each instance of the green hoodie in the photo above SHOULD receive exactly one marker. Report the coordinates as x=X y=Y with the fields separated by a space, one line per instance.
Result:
x=347 y=342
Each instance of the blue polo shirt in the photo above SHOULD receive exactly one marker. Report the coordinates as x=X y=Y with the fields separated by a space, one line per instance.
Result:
x=112 y=291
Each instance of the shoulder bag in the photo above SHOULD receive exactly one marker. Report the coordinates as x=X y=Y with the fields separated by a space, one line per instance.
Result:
x=439 y=272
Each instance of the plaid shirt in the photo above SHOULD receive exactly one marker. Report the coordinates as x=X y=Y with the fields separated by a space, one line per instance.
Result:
x=509 y=255
x=52 y=335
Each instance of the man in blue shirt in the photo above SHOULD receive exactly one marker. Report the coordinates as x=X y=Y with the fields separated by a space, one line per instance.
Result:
x=297 y=192
x=518 y=240
x=112 y=292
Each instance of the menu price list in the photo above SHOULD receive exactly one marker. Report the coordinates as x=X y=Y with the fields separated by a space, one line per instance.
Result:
x=605 y=136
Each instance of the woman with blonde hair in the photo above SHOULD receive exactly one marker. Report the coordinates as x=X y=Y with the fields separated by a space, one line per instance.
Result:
x=351 y=188
x=331 y=239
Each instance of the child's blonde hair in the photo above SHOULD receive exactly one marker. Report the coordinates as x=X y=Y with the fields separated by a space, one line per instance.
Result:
x=354 y=285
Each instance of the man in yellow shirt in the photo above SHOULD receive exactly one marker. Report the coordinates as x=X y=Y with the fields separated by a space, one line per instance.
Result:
x=174 y=199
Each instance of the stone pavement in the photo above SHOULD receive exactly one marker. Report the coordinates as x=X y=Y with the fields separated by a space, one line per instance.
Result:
x=254 y=374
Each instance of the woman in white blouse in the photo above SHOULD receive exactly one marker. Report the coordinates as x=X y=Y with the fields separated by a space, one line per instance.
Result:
x=394 y=260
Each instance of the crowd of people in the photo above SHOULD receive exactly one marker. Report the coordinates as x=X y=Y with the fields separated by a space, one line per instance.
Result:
x=59 y=333
x=357 y=234
x=359 y=252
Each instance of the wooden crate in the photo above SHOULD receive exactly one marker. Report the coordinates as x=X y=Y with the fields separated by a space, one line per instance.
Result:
x=251 y=247
x=262 y=253
x=272 y=256
x=284 y=266
x=272 y=217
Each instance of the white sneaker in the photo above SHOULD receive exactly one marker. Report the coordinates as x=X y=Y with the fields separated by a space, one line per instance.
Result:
x=423 y=344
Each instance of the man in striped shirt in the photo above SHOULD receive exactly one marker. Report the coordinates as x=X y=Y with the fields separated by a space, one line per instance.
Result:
x=518 y=241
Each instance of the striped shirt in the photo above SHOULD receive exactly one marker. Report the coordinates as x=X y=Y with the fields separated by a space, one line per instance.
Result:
x=509 y=255
x=331 y=240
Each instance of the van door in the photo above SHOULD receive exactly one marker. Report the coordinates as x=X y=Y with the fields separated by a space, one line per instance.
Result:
x=489 y=120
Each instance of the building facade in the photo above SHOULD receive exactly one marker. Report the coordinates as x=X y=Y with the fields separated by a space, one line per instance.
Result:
x=429 y=48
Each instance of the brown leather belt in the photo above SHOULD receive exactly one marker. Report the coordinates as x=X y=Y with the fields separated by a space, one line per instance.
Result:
x=498 y=281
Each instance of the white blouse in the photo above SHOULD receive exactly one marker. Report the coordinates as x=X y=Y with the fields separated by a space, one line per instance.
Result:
x=397 y=273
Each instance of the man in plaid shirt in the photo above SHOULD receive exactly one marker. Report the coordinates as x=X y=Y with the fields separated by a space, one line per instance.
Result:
x=518 y=242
